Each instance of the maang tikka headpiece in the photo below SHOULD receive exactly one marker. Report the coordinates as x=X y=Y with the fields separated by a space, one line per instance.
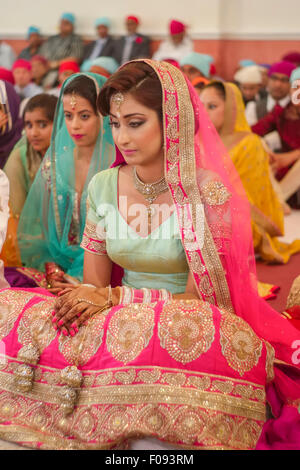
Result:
x=118 y=99
x=73 y=101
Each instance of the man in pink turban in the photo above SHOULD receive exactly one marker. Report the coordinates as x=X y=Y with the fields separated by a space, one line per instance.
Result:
x=293 y=57
x=22 y=72
x=177 y=45
x=278 y=95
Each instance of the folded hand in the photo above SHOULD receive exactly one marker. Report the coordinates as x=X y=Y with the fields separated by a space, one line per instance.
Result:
x=76 y=305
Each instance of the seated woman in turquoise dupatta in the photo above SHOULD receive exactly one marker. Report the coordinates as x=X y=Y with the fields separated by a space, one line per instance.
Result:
x=182 y=349
x=52 y=221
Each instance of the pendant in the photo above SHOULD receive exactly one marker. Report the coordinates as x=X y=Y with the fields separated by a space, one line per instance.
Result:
x=151 y=211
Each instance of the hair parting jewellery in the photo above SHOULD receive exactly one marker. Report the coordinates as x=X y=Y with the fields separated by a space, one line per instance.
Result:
x=73 y=101
x=118 y=99
x=150 y=191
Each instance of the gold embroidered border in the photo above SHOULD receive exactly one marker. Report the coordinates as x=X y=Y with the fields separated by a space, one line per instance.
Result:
x=96 y=247
x=110 y=414
x=188 y=172
x=143 y=393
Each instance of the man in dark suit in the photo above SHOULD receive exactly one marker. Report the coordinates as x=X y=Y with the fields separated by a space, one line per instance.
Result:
x=133 y=45
x=104 y=45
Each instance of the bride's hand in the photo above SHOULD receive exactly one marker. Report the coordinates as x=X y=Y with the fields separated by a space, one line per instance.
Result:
x=76 y=306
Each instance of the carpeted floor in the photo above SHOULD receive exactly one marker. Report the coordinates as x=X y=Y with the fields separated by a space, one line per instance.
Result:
x=283 y=275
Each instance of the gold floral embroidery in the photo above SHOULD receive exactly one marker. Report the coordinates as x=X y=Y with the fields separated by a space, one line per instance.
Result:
x=190 y=424
x=270 y=362
x=246 y=434
x=171 y=106
x=90 y=230
x=149 y=376
x=167 y=82
x=244 y=391
x=36 y=325
x=223 y=386
x=180 y=197
x=202 y=383
x=93 y=246
x=126 y=377
x=80 y=348
x=104 y=379
x=205 y=287
x=129 y=332
x=172 y=154
x=215 y=193
x=240 y=346
x=12 y=304
x=173 y=174
x=175 y=379
x=172 y=129
x=196 y=263
x=186 y=330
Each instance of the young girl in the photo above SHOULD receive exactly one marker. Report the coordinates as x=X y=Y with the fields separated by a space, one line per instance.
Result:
x=23 y=164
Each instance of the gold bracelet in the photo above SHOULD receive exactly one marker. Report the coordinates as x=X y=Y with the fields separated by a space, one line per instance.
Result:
x=106 y=305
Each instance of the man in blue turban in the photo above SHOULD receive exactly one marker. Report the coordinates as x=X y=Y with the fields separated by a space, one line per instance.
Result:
x=63 y=46
x=196 y=65
x=35 y=40
x=104 y=46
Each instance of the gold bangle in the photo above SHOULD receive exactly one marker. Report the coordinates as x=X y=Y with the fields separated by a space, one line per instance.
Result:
x=88 y=302
x=106 y=305
x=109 y=299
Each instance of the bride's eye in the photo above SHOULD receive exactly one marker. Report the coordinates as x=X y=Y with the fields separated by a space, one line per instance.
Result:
x=136 y=123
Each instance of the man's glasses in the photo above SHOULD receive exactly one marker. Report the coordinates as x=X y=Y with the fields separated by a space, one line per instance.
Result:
x=276 y=78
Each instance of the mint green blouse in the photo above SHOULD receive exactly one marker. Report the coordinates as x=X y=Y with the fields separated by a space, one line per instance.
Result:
x=157 y=261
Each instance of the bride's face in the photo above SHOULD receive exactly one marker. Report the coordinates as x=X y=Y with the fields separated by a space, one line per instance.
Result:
x=136 y=131
x=82 y=123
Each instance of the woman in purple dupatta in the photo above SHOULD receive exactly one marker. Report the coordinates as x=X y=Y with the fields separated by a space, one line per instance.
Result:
x=10 y=123
x=191 y=366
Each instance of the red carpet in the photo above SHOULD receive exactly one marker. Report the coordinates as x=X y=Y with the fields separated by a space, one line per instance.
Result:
x=281 y=275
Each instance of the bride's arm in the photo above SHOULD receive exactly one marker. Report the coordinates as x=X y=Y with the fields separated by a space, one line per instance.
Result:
x=97 y=269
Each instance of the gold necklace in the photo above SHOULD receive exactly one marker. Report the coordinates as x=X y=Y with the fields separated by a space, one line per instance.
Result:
x=150 y=191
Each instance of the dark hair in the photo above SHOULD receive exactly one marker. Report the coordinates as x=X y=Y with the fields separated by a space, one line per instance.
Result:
x=43 y=101
x=219 y=87
x=85 y=87
x=138 y=79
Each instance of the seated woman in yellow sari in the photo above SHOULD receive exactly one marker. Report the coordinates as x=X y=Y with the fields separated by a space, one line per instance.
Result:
x=23 y=164
x=224 y=104
x=180 y=350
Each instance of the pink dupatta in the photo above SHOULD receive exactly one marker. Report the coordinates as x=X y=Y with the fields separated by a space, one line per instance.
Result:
x=214 y=218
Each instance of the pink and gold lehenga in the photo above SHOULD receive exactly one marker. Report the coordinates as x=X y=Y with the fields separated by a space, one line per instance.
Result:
x=191 y=373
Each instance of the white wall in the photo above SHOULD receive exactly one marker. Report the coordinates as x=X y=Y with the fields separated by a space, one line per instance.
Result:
x=206 y=18
x=200 y=15
x=260 y=17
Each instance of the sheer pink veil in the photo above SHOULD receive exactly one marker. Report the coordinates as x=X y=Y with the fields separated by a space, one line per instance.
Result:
x=219 y=246
x=232 y=234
